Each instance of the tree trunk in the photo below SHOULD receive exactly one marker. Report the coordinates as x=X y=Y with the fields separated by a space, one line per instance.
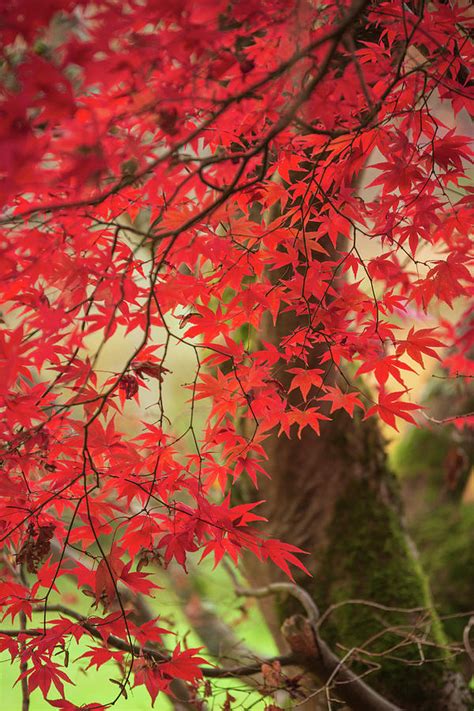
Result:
x=335 y=497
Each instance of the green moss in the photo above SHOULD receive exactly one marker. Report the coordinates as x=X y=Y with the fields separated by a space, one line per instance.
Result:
x=364 y=554
x=368 y=558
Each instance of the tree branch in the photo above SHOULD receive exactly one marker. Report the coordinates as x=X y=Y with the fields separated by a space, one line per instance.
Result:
x=314 y=655
x=181 y=698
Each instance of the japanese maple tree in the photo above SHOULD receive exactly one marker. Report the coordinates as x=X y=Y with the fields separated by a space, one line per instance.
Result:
x=198 y=170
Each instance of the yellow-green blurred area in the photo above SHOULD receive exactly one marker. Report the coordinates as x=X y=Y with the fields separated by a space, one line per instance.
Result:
x=215 y=592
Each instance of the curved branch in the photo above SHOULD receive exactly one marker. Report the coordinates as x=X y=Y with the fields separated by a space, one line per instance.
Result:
x=314 y=654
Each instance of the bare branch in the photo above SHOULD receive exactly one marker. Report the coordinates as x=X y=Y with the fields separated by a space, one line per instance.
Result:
x=315 y=655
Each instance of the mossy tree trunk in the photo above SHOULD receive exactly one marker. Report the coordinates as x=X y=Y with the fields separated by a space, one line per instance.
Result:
x=335 y=498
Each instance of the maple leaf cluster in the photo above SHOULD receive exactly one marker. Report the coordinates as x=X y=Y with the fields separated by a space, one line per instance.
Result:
x=193 y=169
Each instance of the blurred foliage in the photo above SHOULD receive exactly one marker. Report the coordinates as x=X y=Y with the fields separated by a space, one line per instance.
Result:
x=215 y=589
x=445 y=539
x=436 y=475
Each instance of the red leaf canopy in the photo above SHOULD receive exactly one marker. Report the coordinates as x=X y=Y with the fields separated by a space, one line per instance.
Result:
x=198 y=170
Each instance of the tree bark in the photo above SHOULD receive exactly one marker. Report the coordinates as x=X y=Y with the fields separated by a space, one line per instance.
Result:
x=335 y=497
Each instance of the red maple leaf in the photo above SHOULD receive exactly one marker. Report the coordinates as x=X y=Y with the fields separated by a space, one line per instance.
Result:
x=390 y=406
x=418 y=343
x=305 y=379
x=338 y=399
